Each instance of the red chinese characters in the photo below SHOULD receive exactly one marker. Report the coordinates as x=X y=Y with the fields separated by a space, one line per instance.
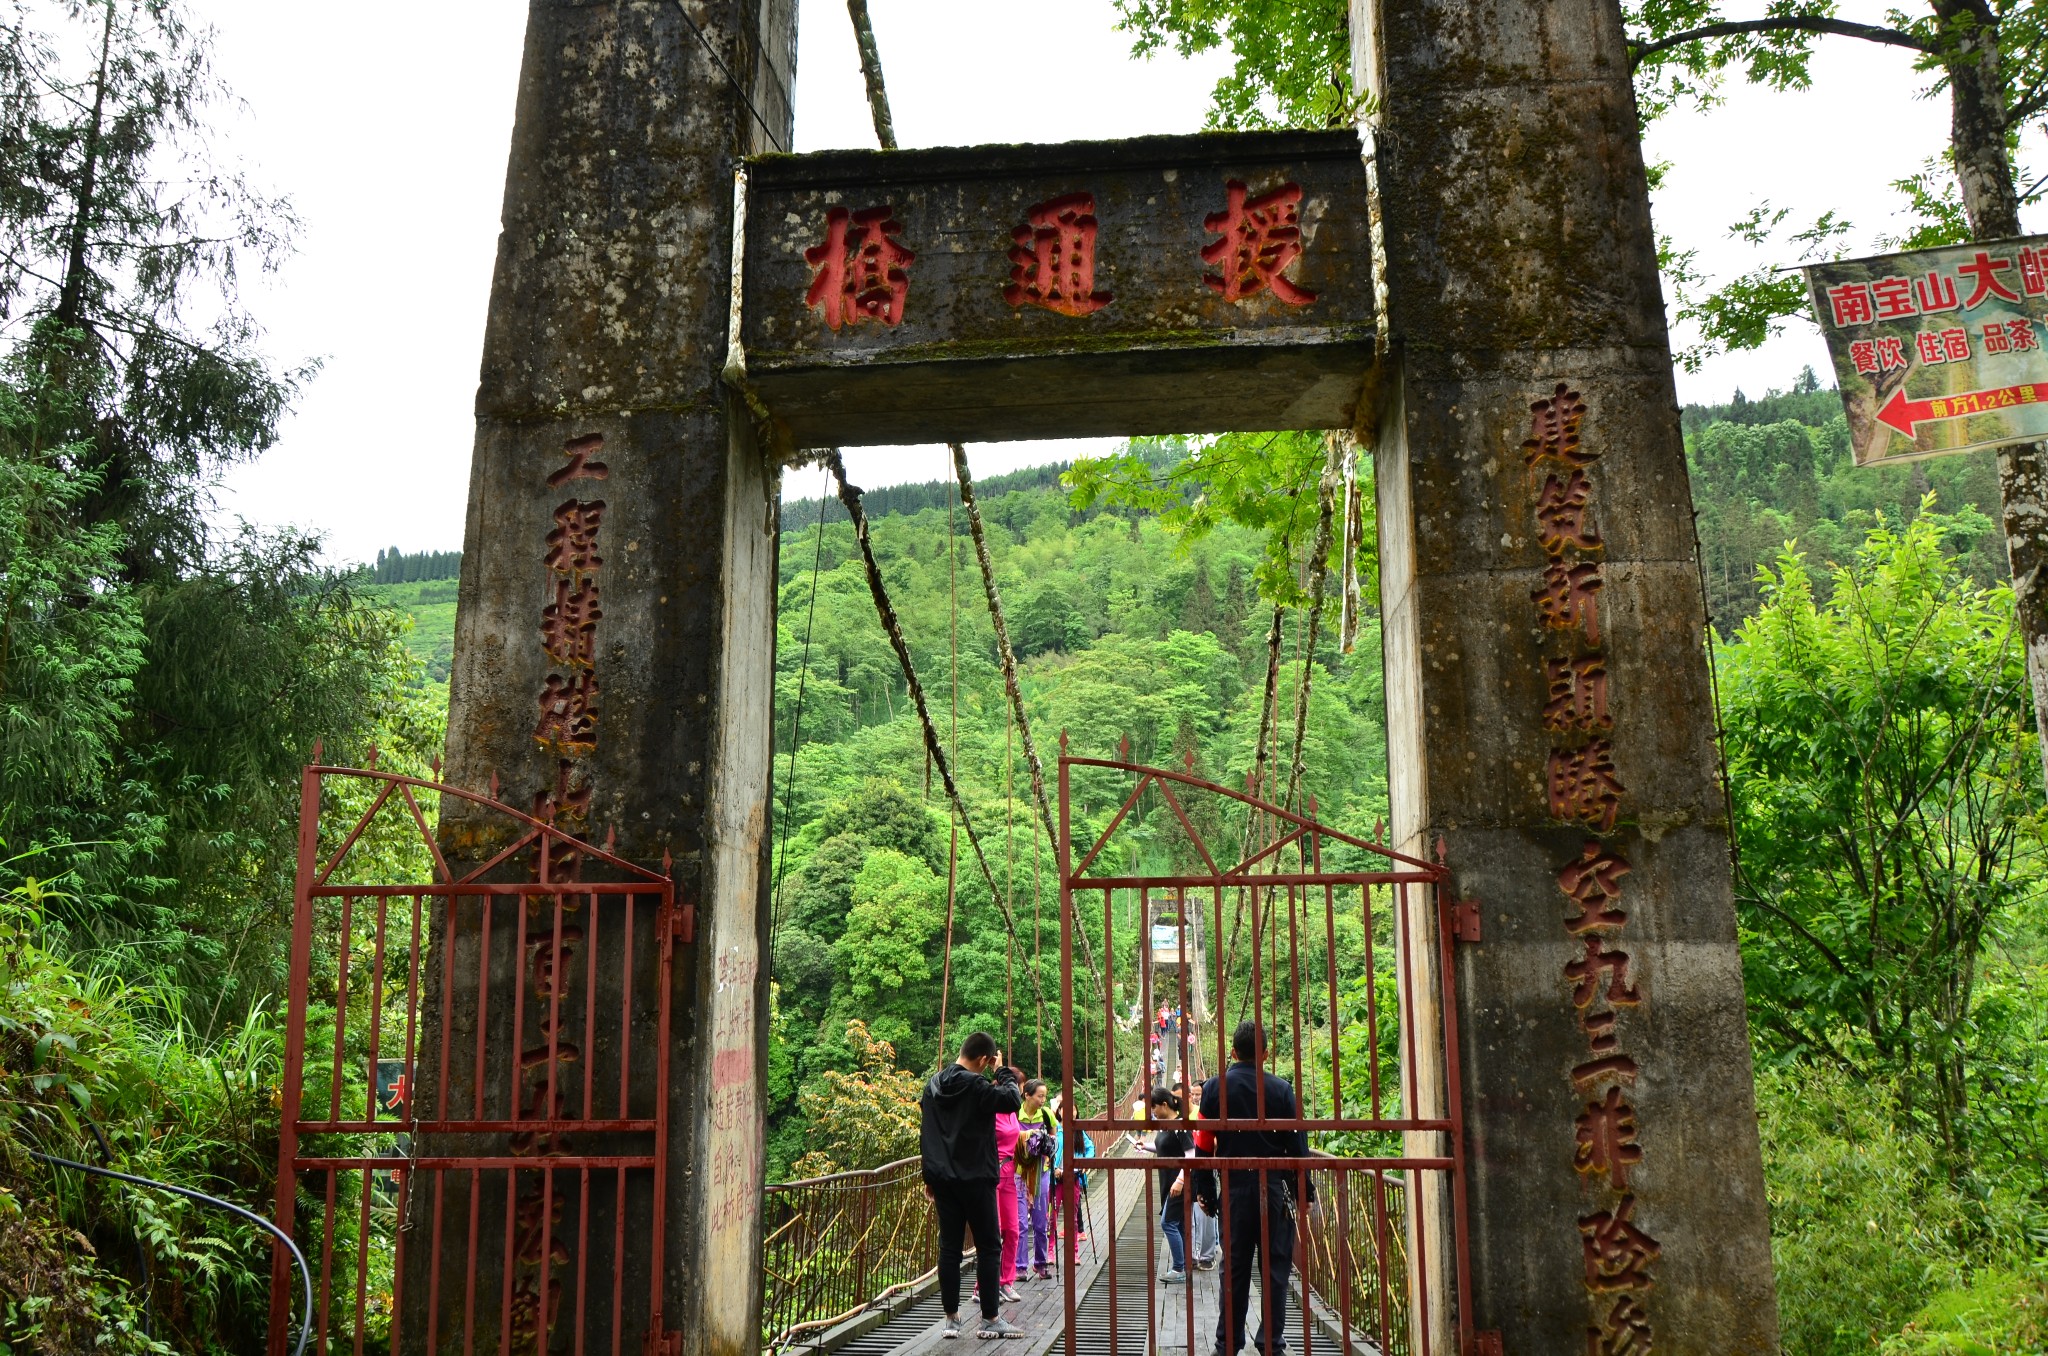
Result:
x=1260 y=237
x=1618 y=1255
x=1554 y=424
x=861 y=270
x=1053 y=262
x=1606 y=1139
x=1986 y=280
x=567 y=727
x=1582 y=785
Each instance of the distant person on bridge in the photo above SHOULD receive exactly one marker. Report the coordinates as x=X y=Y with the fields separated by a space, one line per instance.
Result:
x=957 y=1142
x=1037 y=1159
x=1259 y=1204
x=1171 y=1144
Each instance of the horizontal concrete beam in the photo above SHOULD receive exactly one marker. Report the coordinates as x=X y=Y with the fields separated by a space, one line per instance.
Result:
x=1159 y=285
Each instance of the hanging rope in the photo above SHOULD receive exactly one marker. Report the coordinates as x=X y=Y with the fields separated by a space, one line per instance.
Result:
x=796 y=736
x=871 y=72
x=1318 y=582
x=1011 y=685
x=946 y=970
x=849 y=495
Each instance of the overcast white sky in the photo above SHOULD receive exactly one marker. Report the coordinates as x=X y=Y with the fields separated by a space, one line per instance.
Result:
x=387 y=125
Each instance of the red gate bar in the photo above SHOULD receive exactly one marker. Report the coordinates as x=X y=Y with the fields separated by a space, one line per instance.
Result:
x=473 y=1194
x=1257 y=963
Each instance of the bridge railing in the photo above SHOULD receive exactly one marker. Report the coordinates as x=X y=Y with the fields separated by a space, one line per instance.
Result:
x=1355 y=1258
x=834 y=1246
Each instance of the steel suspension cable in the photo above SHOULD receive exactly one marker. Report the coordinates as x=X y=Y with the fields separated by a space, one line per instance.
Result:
x=1012 y=686
x=849 y=495
x=796 y=734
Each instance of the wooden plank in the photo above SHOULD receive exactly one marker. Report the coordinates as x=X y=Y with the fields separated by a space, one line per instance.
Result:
x=975 y=335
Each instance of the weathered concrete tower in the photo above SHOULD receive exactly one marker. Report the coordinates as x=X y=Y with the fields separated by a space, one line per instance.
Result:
x=615 y=638
x=1548 y=695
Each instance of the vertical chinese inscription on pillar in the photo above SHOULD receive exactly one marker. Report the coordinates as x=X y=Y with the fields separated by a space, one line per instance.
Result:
x=567 y=728
x=1582 y=786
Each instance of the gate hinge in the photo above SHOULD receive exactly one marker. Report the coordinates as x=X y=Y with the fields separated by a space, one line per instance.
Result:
x=1461 y=920
x=1484 y=1343
x=682 y=922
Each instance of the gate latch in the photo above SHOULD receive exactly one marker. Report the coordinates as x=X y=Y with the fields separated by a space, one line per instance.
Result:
x=664 y=1344
x=1461 y=920
x=1484 y=1343
x=682 y=922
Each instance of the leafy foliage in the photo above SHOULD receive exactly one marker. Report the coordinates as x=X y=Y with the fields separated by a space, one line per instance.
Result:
x=863 y=1118
x=1886 y=788
x=1292 y=59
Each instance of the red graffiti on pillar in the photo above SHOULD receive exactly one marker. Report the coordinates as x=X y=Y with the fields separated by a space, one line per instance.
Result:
x=861 y=269
x=1053 y=262
x=1261 y=237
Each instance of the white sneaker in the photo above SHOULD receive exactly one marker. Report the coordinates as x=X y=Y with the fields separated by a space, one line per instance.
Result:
x=1174 y=1277
x=950 y=1329
x=998 y=1327
x=1009 y=1295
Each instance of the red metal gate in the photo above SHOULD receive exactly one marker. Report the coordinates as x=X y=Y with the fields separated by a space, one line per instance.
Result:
x=1305 y=931
x=475 y=1109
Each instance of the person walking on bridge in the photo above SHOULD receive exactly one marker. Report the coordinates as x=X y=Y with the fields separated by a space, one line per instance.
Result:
x=957 y=1146
x=1259 y=1203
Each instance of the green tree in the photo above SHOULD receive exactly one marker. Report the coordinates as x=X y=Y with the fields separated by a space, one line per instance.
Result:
x=863 y=1118
x=122 y=244
x=1879 y=751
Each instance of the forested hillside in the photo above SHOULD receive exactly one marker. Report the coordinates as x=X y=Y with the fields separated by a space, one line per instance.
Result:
x=1777 y=469
x=1124 y=630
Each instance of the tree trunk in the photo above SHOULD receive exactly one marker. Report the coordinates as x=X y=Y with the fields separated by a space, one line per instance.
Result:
x=71 y=300
x=1977 y=139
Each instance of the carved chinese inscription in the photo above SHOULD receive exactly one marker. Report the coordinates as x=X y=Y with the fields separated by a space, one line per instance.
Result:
x=1261 y=237
x=861 y=269
x=567 y=728
x=1053 y=262
x=1583 y=786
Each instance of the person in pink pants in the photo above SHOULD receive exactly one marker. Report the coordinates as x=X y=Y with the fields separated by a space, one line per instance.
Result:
x=1007 y=1132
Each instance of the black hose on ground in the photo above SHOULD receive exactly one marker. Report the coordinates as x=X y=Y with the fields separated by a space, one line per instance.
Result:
x=298 y=1258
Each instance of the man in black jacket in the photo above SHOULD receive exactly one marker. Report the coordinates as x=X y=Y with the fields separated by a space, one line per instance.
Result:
x=957 y=1142
x=1260 y=1207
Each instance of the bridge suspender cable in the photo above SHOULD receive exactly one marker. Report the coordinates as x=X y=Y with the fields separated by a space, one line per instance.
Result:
x=796 y=734
x=849 y=495
x=1011 y=685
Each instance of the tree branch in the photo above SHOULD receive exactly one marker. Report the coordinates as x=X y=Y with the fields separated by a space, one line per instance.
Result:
x=1789 y=23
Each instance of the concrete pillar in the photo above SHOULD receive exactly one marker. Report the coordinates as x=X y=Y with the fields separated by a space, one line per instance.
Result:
x=605 y=341
x=1548 y=697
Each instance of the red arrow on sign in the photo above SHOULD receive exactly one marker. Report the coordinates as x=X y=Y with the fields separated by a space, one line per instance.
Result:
x=1902 y=414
